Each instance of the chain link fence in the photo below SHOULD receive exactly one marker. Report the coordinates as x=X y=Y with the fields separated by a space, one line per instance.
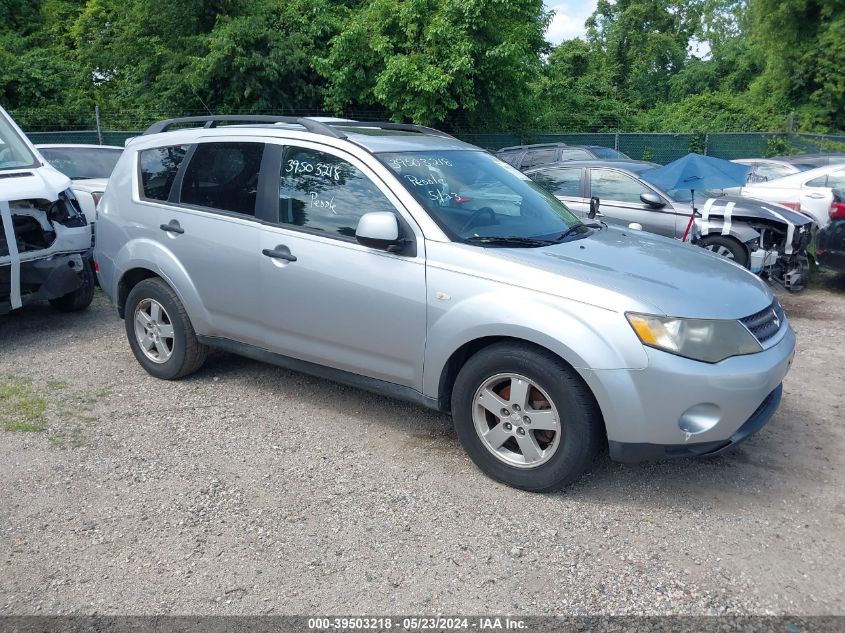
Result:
x=656 y=147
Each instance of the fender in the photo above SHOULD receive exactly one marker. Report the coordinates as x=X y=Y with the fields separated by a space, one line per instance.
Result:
x=587 y=338
x=738 y=230
x=152 y=255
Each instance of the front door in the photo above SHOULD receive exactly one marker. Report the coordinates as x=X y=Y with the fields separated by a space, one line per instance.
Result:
x=330 y=300
x=619 y=195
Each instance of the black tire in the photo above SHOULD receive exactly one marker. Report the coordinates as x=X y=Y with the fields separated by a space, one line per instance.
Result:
x=188 y=354
x=582 y=436
x=716 y=243
x=80 y=298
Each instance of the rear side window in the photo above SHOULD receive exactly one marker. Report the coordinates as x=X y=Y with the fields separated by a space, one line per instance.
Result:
x=836 y=180
x=538 y=157
x=561 y=182
x=223 y=176
x=158 y=170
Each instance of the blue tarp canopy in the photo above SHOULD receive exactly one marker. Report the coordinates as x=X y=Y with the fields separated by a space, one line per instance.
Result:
x=697 y=172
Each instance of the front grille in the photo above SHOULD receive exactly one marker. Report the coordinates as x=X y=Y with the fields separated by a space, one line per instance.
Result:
x=766 y=323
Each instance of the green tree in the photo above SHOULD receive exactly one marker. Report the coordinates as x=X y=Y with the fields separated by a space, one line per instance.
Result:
x=463 y=61
x=803 y=45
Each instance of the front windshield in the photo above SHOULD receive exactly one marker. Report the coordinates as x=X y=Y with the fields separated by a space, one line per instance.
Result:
x=14 y=152
x=79 y=163
x=685 y=195
x=474 y=197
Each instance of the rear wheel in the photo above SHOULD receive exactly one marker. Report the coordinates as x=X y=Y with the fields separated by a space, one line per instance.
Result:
x=160 y=333
x=726 y=247
x=525 y=417
x=80 y=298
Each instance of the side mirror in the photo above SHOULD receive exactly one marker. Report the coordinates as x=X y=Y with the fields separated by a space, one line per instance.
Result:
x=652 y=200
x=378 y=229
x=594 y=209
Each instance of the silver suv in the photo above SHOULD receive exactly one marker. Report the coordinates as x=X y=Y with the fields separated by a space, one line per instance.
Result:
x=398 y=259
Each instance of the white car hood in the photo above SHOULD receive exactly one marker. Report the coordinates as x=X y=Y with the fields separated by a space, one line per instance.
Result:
x=38 y=183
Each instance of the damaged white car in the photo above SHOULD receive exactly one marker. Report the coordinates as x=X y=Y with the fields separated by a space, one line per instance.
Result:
x=45 y=239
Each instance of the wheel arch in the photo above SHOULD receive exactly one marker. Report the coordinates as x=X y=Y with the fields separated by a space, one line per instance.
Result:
x=460 y=356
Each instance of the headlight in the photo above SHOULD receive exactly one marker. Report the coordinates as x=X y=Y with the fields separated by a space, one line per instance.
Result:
x=706 y=340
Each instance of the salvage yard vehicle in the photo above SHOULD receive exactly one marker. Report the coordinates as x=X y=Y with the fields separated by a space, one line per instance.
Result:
x=45 y=240
x=765 y=169
x=88 y=167
x=810 y=192
x=526 y=156
x=403 y=261
x=760 y=236
x=830 y=241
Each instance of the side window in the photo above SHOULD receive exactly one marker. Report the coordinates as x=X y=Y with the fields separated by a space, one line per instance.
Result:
x=821 y=181
x=158 y=170
x=325 y=193
x=836 y=180
x=538 y=157
x=614 y=185
x=575 y=154
x=223 y=176
x=561 y=182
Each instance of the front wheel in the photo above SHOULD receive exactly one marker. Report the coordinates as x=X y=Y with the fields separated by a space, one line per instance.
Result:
x=525 y=417
x=726 y=247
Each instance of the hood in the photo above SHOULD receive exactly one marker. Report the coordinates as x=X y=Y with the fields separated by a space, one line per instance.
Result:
x=37 y=183
x=638 y=271
x=91 y=184
x=744 y=207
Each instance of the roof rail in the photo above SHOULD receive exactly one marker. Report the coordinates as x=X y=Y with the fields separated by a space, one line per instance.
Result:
x=387 y=125
x=212 y=120
x=326 y=128
x=531 y=146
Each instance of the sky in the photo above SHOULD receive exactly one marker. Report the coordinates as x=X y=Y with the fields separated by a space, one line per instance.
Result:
x=569 y=19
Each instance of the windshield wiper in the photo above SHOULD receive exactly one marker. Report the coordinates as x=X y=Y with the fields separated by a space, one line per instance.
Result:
x=509 y=240
x=568 y=232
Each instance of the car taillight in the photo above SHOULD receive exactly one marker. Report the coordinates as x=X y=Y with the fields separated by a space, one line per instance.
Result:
x=837 y=211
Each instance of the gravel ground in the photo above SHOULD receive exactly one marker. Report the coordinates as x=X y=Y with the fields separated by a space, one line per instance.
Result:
x=247 y=489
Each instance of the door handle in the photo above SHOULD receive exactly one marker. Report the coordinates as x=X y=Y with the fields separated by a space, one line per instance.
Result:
x=173 y=227
x=815 y=196
x=280 y=252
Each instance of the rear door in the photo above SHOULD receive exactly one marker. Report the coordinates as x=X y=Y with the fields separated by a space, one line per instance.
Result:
x=339 y=303
x=208 y=222
x=619 y=195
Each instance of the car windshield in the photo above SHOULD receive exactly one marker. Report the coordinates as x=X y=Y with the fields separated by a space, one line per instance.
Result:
x=80 y=163
x=14 y=152
x=607 y=153
x=477 y=198
x=685 y=195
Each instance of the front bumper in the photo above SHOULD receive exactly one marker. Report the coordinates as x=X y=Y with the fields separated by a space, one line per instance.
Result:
x=631 y=452
x=689 y=406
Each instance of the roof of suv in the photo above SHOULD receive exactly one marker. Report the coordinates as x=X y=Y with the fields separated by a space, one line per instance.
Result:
x=375 y=137
x=636 y=166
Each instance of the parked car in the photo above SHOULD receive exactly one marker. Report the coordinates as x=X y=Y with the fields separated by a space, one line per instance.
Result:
x=810 y=192
x=765 y=169
x=88 y=166
x=401 y=260
x=765 y=238
x=816 y=160
x=526 y=156
x=45 y=240
x=830 y=241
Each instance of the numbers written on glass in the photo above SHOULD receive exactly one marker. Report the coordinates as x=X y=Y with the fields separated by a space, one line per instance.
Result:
x=397 y=162
x=322 y=170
